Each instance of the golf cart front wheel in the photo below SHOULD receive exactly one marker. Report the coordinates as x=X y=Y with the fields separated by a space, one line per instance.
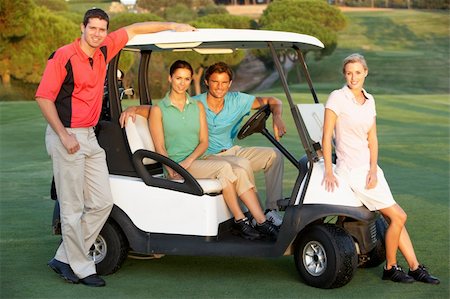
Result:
x=325 y=256
x=109 y=249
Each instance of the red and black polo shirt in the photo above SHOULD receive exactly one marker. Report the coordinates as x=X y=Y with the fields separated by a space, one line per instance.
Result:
x=74 y=81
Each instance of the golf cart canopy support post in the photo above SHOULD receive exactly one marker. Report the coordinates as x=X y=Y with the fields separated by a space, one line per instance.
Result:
x=144 y=86
x=306 y=140
x=113 y=88
x=301 y=127
x=302 y=63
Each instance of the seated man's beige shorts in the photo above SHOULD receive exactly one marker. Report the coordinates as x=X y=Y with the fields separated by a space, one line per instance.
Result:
x=374 y=199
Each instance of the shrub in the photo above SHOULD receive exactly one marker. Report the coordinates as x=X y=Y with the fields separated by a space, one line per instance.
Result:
x=123 y=19
x=180 y=13
x=211 y=9
x=312 y=17
x=55 y=5
x=227 y=21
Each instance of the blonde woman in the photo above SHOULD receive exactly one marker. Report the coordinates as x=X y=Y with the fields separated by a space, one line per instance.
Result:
x=350 y=113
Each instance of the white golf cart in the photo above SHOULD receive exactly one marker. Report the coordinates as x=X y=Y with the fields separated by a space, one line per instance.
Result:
x=329 y=234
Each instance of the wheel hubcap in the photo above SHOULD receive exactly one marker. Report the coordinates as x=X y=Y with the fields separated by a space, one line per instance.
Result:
x=314 y=258
x=98 y=250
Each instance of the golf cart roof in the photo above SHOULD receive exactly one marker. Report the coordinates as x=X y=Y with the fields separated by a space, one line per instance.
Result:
x=221 y=41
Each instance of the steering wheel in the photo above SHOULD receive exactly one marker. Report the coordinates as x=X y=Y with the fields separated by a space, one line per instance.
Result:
x=256 y=123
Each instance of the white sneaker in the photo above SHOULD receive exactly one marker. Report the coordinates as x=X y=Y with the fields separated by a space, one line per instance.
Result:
x=274 y=217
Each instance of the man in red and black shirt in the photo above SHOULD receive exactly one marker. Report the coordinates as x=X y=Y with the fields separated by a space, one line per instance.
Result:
x=70 y=97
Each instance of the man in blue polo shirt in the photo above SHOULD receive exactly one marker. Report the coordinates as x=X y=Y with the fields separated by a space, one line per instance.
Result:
x=224 y=112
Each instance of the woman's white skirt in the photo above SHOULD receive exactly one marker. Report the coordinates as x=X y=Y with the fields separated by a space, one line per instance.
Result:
x=374 y=199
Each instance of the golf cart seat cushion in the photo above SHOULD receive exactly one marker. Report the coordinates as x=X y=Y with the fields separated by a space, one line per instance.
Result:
x=209 y=186
x=138 y=135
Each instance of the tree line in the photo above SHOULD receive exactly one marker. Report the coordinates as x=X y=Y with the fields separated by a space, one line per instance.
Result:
x=30 y=30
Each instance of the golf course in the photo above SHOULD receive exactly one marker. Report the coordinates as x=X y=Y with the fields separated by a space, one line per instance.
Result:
x=408 y=57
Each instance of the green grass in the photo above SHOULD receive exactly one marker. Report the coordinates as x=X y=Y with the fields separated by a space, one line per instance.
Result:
x=407 y=52
x=414 y=149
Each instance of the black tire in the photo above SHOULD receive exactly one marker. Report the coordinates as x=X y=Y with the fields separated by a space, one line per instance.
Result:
x=376 y=256
x=109 y=250
x=325 y=256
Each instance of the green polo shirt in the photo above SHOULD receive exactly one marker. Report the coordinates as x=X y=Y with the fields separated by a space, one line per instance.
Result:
x=181 y=128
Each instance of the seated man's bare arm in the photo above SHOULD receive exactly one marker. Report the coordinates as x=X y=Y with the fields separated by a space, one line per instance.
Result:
x=276 y=107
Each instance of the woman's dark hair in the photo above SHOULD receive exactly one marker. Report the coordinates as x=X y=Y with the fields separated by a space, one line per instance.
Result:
x=96 y=13
x=218 y=67
x=180 y=64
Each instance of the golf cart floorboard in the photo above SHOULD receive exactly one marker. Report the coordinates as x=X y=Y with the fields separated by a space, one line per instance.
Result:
x=226 y=244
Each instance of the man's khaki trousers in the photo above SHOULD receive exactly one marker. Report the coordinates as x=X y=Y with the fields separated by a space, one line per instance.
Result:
x=84 y=195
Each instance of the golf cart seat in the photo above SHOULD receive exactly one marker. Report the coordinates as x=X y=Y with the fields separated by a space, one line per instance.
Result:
x=138 y=135
x=313 y=116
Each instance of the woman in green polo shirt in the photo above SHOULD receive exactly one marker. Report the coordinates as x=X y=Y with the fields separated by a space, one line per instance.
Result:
x=179 y=131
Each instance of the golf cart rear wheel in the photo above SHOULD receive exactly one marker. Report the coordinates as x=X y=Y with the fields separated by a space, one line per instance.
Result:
x=325 y=256
x=109 y=250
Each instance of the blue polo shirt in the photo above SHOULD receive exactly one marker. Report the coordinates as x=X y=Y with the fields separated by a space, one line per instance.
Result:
x=224 y=126
x=181 y=128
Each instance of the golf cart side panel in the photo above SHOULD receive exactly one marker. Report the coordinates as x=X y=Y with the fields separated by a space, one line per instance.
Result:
x=301 y=217
x=176 y=244
x=342 y=195
x=159 y=210
x=138 y=240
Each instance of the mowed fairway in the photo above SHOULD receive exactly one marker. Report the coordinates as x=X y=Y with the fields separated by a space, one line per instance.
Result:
x=413 y=126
